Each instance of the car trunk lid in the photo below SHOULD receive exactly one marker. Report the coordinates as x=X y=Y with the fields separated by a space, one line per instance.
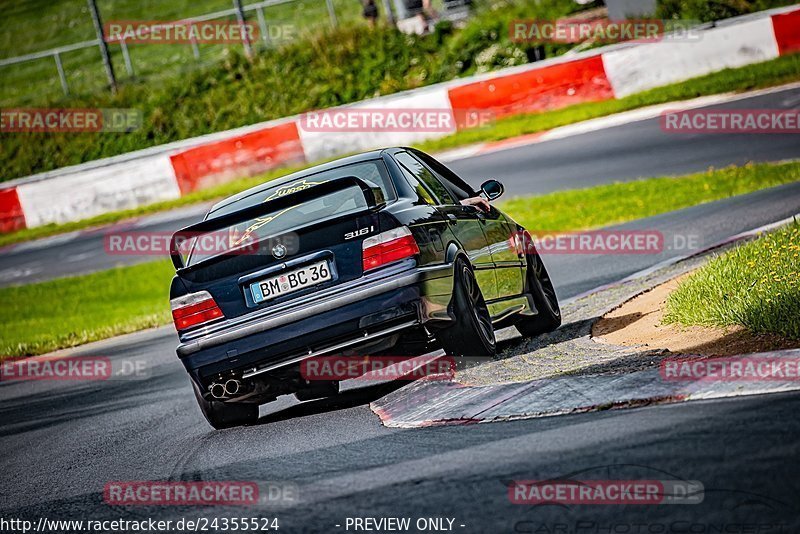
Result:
x=282 y=248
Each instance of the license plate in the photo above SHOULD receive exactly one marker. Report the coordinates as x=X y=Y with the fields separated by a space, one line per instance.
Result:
x=290 y=282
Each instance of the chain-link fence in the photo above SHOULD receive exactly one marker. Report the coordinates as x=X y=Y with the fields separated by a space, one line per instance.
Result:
x=49 y=50
x=77 y=67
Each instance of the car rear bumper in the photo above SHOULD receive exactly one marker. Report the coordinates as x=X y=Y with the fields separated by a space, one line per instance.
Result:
x=358 y=311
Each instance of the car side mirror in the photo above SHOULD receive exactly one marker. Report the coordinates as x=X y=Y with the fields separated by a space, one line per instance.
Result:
x=492 y=189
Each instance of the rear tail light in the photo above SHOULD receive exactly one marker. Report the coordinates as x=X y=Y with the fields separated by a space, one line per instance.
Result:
x=194 y=309
x=388 y=247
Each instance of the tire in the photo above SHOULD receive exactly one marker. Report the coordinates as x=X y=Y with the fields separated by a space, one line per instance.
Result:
x=540 y=288
x=226 y=415
x=472 y=333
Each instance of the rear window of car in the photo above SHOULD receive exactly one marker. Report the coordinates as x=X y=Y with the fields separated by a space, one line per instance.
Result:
x=372 y=172
x=280 y=222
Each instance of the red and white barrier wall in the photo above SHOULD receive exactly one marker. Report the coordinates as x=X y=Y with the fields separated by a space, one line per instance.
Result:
x=95 y=191
x=612 y=72
x=631 y=70
x=243 y=155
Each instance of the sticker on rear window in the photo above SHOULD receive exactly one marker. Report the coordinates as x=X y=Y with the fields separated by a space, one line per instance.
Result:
x=259 y=222
x=294 y=187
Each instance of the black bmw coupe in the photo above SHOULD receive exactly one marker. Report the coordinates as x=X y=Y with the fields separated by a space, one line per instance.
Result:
x=377 y=253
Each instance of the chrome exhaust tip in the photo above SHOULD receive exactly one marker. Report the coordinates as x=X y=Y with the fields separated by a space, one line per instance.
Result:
x=232 y=387
x=217 y=390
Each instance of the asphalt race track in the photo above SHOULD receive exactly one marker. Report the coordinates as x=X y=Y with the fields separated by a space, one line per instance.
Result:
x=635 y=150
x=62 y=442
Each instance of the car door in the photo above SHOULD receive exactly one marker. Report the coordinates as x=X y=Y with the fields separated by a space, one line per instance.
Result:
x=509 y=266
x=465 y=223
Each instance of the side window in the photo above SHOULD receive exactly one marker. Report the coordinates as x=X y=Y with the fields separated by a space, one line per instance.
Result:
x=458 y=187
x=422 y=191
x=421 y=173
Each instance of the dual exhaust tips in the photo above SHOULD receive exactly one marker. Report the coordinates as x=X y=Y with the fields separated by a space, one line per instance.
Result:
x=230 y=388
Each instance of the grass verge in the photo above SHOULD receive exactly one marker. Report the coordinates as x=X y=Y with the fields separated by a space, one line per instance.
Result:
x=104 y=304
x=756 y=285
x=39 y=318
x=620 y=202
x=771 y=73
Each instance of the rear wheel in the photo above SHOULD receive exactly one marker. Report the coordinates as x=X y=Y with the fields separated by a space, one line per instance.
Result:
x=540 y=288
x=226 y=415
x=472 y=333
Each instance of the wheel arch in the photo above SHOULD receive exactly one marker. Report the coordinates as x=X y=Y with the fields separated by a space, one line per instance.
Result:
x=453 y=252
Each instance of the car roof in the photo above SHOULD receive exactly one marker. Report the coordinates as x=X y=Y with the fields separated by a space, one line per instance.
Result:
x=357 y=158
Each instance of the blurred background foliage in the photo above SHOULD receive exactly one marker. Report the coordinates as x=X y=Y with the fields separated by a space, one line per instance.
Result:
x=710 y=10
x=322 y=67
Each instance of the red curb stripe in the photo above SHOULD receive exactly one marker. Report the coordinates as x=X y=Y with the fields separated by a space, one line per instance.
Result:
x=11 y=215
x=244 y=155
x=787 y=32
x=538 y=89
x=382 y=414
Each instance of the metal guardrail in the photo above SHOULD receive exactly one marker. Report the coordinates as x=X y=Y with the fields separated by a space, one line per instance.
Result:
x=56 y=53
